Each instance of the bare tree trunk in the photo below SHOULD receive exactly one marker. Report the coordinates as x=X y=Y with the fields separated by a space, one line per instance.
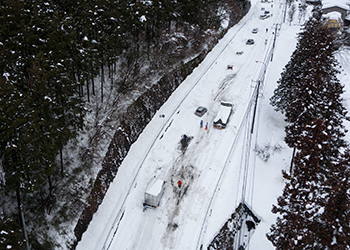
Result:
x=292 y=163
x=109 y=70
x=102 y=81
x=21 y=216
x=42 y=199
x=88 y=89
x=93 y=85
x=81 y=90
x=61 y=159
x=92 y=80
x=19 y=204
x=50 y=198
x=50 y=185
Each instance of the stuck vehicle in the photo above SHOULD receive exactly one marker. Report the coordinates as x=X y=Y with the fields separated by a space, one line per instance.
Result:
x=200 y=111
x=154 y=193
x=223 y=116
x=250 y=41
x=264 y=16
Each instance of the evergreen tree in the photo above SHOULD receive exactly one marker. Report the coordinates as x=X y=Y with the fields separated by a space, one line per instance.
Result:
x=290 y=76
x=307 y=207
x=309 y=88
x=292 y=73
x=318 y=93
x=314 y=207
x=336 y=215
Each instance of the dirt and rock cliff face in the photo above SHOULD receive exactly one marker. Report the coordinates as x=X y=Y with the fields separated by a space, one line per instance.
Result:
x=184 y=47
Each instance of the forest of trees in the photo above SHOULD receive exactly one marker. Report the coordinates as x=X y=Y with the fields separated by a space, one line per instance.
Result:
x=314 y=209
x=50 y=54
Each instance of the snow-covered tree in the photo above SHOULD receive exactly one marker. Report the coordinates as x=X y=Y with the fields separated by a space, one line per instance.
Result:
x=302 y=11
x=291 y=74
x=291 y=13
x=318 y=92
x=309 y=88
x=336 y=215
x=314 y=208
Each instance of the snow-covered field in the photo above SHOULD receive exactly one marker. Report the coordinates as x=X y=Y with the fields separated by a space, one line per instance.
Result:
x=219 y=168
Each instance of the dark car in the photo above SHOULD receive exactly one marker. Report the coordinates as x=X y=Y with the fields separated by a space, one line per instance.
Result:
x=250 y=41
x=264 y=16
x=201 y=111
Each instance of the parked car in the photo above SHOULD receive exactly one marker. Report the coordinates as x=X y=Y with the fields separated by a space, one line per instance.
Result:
x=200 y=111
x=255 y=30
x=264 y=16
x=250 y=41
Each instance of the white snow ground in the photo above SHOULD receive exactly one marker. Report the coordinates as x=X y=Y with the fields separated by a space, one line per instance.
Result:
x=216 y=161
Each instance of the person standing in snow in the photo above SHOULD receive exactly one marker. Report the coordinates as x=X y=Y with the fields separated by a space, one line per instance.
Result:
x=201 y=123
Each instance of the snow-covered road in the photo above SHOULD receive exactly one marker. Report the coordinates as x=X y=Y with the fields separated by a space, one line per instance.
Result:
x=212 y=167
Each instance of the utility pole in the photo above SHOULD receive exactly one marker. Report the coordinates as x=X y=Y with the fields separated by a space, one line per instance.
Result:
x=257 y=95
x=274 y=41
x=255 y=105
x=285 y=12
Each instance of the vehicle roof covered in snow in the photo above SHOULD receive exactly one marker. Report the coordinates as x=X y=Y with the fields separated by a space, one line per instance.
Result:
x=156 y=188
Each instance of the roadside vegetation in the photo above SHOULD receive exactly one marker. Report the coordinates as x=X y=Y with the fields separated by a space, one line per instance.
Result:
x=313 y=211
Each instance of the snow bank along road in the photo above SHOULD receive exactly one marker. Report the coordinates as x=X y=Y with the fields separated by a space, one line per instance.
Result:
x=181 y=218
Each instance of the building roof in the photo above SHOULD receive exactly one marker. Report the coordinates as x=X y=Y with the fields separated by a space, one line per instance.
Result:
x=343 y=4
x=334 y=15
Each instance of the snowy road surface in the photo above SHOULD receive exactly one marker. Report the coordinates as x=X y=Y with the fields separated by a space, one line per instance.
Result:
x=212 y=166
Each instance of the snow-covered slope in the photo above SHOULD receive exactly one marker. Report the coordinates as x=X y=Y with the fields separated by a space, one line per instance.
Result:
x=219 y=168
